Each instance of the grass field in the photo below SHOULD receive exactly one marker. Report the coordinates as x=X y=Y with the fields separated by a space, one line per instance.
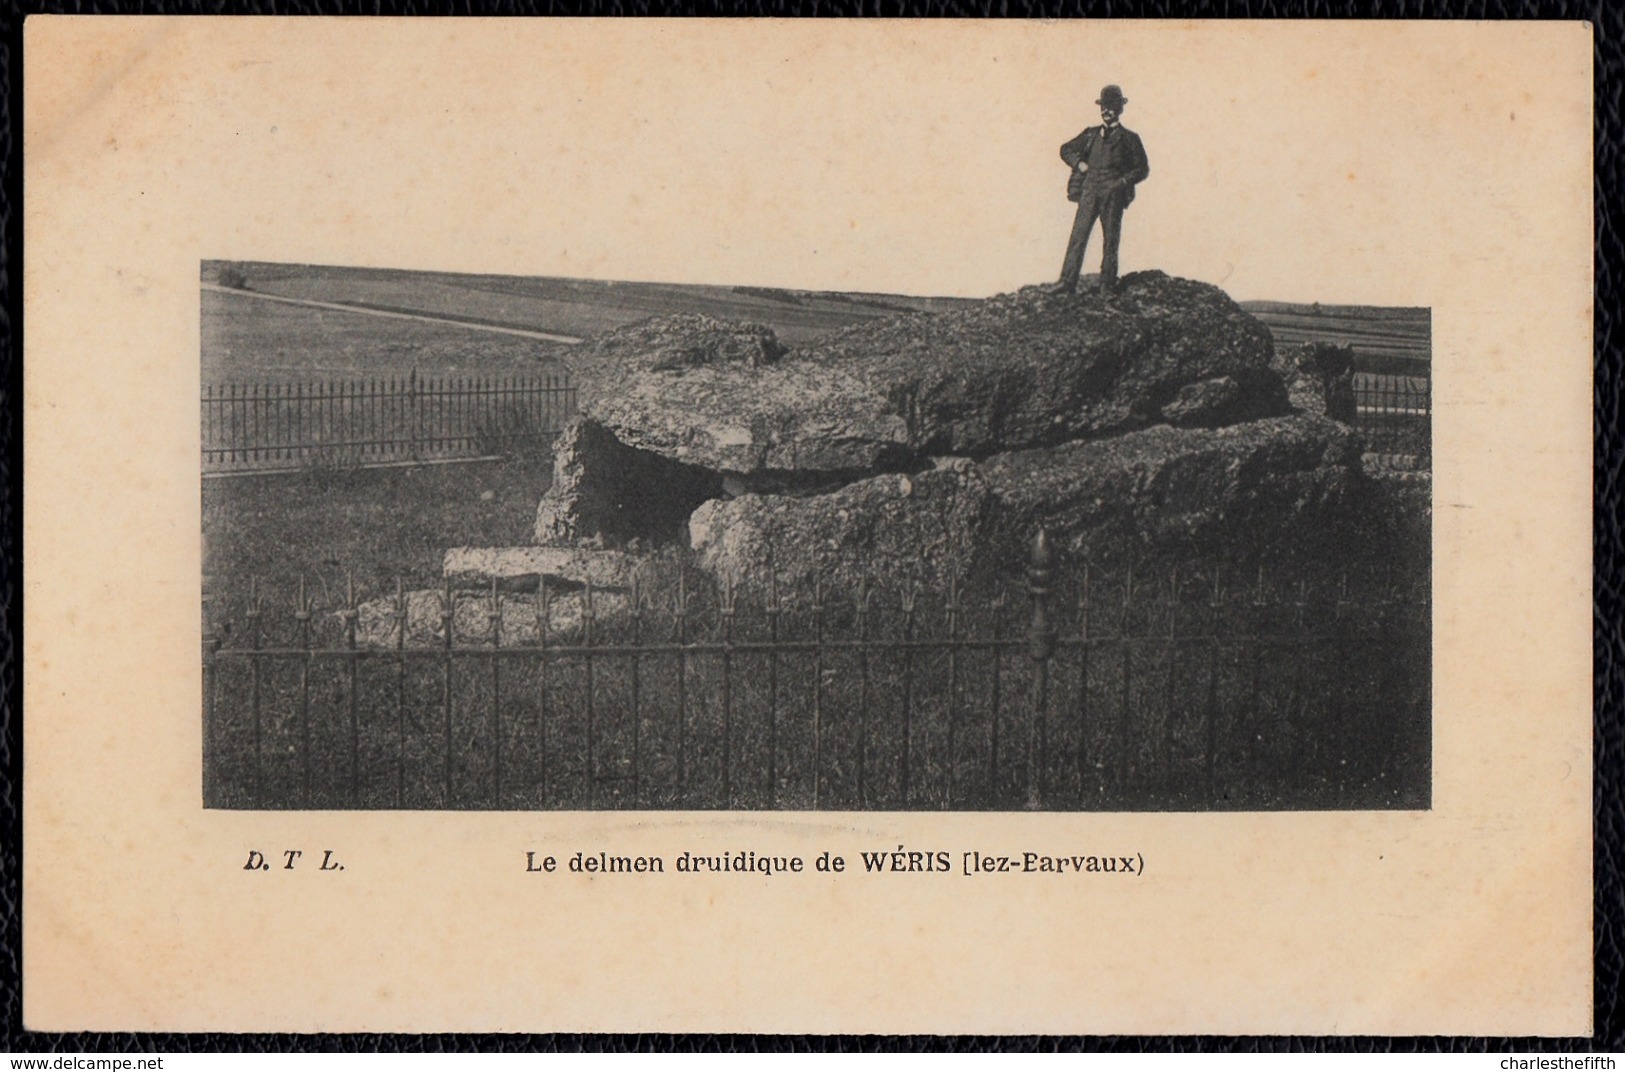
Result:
x=377 y=524
x=1385 y=339
x=248 y=339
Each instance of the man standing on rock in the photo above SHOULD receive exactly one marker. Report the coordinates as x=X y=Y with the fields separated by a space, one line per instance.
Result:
x=1107 y=162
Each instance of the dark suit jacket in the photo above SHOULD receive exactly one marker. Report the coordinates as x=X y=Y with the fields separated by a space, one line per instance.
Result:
x=1115 y=162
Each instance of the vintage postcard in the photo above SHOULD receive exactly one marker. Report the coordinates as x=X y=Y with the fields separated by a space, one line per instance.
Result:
x=808 y=527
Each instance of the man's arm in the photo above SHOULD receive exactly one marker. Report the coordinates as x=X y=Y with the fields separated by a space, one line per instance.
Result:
x=1139 y=167
x=1073 y=151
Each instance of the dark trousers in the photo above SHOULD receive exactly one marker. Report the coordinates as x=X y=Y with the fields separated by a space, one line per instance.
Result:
x=1107 y=207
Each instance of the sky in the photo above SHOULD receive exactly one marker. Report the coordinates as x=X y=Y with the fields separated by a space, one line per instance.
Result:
x=1299 y=162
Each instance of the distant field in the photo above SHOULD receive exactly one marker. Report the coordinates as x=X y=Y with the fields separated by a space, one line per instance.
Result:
x=1385 y=339
x=247 y=339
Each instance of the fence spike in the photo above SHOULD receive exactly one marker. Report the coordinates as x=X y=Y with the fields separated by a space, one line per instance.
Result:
x=1041 y=555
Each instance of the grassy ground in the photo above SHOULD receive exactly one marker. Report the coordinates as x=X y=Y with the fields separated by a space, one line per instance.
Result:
x=1238 y=706
x=374 y=523
x=1256 y=703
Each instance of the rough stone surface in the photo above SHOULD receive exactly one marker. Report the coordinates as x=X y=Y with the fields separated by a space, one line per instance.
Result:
x=1286 y=481
x=1400 y=517
x=794 y=416
x=525 y=568
x=1023 y=370
x=883 y=529
x=602 y=487
x=1036 y=368
x=1244 y=396
x=471 y=626
x=678 y=341
x=1319 y=379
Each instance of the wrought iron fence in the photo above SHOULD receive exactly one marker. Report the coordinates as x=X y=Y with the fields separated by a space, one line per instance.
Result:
x=378 y=421
x=1394 y=414
x=1184 y=690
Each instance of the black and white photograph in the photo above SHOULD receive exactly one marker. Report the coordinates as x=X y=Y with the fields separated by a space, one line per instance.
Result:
x=1112 y=541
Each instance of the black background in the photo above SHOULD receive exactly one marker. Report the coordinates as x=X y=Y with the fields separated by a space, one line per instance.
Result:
x=1608 y=611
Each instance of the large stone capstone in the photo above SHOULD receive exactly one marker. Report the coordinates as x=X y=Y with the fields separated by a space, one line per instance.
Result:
x=659 y=435
x=664 y=343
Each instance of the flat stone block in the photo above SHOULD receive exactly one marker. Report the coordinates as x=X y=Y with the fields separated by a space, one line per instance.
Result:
x=525 y=568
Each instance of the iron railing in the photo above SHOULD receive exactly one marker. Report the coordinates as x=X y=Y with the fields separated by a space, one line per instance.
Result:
x=1394 y=414
x=1188 y=689
x=378 y=421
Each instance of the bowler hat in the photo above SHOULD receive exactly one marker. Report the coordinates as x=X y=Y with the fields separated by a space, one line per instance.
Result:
x=1112 y=97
